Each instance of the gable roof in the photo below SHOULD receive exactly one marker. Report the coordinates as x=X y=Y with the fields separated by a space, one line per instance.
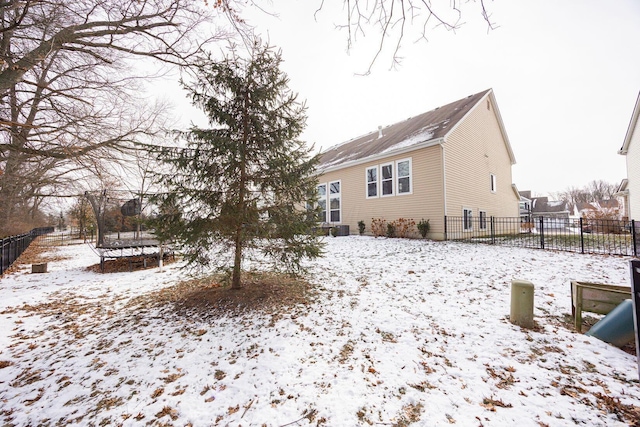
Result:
x=585 y=206
x=424 y=130
x=632 y=125
x=541 y=205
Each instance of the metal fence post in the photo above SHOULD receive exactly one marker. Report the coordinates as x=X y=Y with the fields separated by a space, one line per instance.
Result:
x=581 y=236
x=541 y=228
x=2 y=258
x=493 y=231
x=445 y=227
x=634 y=239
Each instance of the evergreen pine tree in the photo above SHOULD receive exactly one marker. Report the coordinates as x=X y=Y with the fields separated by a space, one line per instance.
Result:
x=239 y=188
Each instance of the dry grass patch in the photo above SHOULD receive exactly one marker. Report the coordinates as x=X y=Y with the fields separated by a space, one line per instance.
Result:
x=262 y=292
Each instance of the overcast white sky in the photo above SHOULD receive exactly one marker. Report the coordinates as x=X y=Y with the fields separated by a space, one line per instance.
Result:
x=565 y=74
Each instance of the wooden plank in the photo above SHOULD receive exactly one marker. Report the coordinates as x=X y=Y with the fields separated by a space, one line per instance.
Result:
x=596 y=298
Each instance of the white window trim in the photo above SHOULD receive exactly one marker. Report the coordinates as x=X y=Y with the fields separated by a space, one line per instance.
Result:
x=326 y=199
x=339 y=194
x=393 y=179
x=480 y=225
x=494 y=183
x=377 y=182
x=397 y=178
x=464 y=227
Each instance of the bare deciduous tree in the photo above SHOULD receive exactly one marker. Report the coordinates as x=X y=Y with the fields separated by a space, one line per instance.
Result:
x=391 y=18
x=70 y=87
x=595 y=191
x=162 y=29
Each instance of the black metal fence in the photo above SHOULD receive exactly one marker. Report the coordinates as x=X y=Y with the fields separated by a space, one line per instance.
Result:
x=63 y=238
x=593 y=236
x=12 y=247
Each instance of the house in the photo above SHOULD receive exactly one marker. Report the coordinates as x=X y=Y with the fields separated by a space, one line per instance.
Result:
x=525 y=206
x=555 y=213
x=454 y=160
x=630 y=190
x=583 y=210
x=621 y=196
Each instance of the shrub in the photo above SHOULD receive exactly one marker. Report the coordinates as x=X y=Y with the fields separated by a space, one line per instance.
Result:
x=378 y=226
x=391 y=230
x=602 y=221
x=527 y=227
x=403 y=226
x=424 y=227
x=361 y=227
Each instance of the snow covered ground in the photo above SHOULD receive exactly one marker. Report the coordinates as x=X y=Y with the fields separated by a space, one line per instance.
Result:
x=402 y=332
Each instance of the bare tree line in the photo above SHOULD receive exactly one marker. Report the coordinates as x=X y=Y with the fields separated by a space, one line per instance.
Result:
x=596 y=190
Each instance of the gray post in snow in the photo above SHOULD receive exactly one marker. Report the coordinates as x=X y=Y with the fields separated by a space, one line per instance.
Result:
x=522 y=303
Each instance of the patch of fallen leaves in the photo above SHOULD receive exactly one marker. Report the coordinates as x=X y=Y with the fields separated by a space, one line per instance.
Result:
x=129 y=263
x=612 y=405
x=505 y=379
x=168 y=411
x=491 y=404
x=207 y=297
x=410 y=414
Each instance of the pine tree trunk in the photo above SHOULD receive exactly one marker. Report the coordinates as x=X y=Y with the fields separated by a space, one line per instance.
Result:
x=235 y=282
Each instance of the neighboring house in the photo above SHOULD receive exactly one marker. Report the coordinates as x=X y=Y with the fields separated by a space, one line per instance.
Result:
x=608 y=209
x=555 y=214
x=582 y=210
x=454 y=161
x=631 y=149
x=525 y=206
x=622 y=195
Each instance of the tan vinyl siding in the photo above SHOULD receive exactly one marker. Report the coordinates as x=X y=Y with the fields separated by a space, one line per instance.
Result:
x=633 y=173
x=457 y=170
x=473 y=151
x=425 y=201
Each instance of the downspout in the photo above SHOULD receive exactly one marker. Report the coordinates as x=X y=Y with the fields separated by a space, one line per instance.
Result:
x=444 y=179
x=444 y=188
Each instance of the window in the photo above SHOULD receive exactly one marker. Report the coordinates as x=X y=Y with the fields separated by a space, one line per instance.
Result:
x=467 y=218
x=322 y=202
x=494 y=183
x=483 y=220
x=403 y=168
x=387 y=179
x=329 y=203
x=334 y=201
x=372 y=181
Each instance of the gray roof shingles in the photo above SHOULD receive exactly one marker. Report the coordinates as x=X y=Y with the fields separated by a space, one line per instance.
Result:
x=432 y=125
